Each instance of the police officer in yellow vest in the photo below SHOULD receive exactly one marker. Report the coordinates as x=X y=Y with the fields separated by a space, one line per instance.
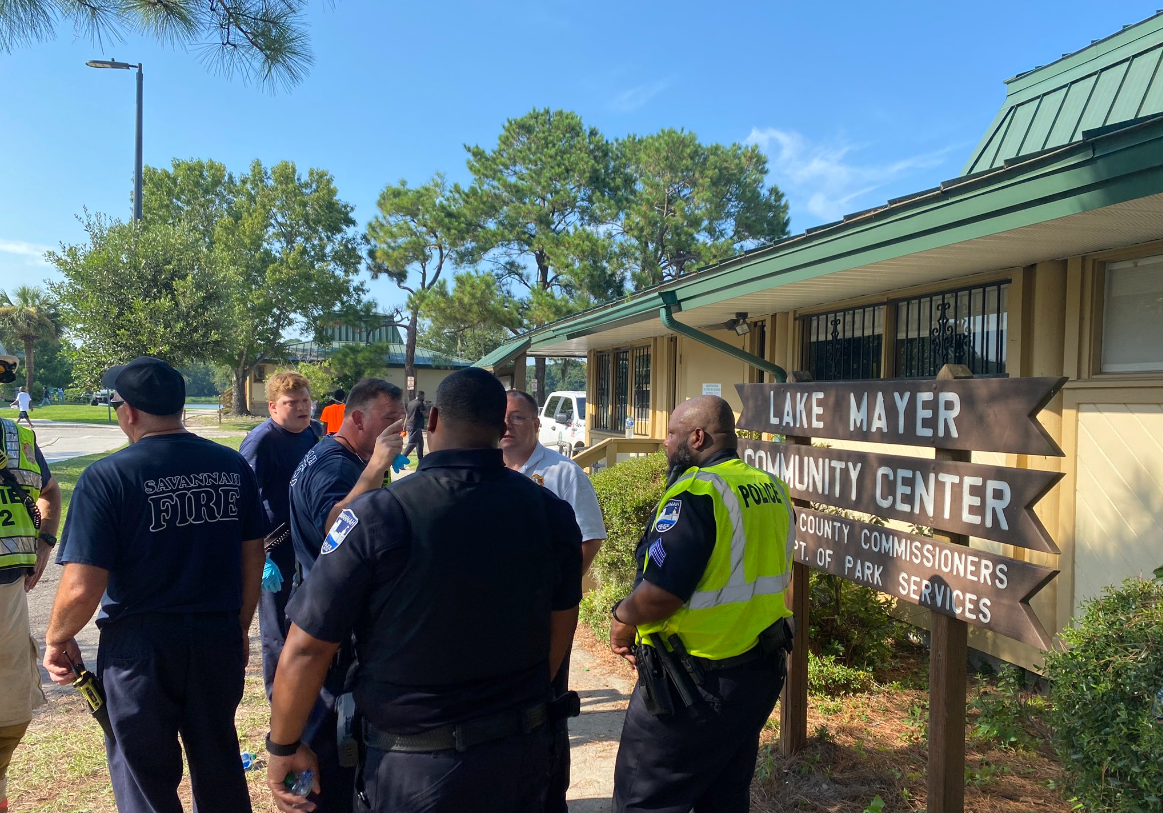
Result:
x=705 y=624
x=27 y=490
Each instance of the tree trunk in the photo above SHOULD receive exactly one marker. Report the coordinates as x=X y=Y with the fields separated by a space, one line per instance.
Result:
x=539 y=377
x=410 y=353
x=28 y=365
x=240 y=404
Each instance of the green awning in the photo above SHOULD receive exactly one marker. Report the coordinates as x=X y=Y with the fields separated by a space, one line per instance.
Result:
x=503 y=354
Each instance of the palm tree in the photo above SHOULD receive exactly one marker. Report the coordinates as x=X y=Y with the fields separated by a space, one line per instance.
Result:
x=29 y=317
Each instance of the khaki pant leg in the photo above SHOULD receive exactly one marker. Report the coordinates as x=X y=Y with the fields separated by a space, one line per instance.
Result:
x=9 y=738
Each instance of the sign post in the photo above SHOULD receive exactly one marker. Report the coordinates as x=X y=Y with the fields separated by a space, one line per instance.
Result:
x=954 y=415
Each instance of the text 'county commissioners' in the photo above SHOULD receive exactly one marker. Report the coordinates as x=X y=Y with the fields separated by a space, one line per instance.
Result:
x=987 y=501
x=981 y=588
x=981 y=414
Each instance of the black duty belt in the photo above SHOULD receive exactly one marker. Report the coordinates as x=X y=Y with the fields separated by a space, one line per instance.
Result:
x=459 y=737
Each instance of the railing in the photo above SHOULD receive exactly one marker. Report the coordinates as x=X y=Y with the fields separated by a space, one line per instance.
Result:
x=605 y=454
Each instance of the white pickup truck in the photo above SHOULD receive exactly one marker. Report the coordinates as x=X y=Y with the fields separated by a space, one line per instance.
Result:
x=563 y=422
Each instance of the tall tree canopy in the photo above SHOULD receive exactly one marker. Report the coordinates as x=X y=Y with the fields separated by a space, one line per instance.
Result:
x=135 y=289
x=261 y=40
x=469 y=318
x=28 y=316
x=411 y=239
x=536 y=207
x=283 y=246
x=690 y=204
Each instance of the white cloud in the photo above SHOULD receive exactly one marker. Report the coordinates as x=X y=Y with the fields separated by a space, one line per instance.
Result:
x=630 y=100
x=826 y=180
x=30 y=253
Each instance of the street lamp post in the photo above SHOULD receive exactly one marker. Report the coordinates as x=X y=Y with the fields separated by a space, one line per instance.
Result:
x=125 y=66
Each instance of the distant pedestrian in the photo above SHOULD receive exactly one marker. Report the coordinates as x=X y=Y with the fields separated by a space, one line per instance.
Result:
x=332 y=415
x=165 y=535
x=273 y=449
x=23 y=402
x=416 y=418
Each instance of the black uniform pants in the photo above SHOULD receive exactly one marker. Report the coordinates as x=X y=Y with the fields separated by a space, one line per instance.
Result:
x=338 y=783
x=415 y=441
x=165 y=676
x=559 y=753
x=272 y=614
x=700 y=758
x=503 y=776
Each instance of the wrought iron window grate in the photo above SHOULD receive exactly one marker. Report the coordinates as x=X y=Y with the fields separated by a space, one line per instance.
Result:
x=843 y=345
x=601 y=408
x=966 y=326
x=621 y=396
x=640 y=358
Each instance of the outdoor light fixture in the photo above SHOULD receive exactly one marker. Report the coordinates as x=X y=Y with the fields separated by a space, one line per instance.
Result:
x=128 y=66
x=739 y=324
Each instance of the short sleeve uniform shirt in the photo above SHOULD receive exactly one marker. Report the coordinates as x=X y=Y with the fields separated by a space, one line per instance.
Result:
x=568 y=481
x=274 y=454
x=325 y=475
x=166 y=517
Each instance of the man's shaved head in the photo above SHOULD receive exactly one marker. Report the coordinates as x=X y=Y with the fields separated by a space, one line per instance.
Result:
x=698 y=429
x=707 y=412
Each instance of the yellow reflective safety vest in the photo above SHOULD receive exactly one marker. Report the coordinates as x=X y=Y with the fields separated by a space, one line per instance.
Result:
x=741 y=593
x=17 y=531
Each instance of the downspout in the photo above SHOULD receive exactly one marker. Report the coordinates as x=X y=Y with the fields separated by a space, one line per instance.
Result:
x=670 y=301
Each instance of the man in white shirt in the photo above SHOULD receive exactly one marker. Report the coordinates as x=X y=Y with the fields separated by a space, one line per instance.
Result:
x=566 y=480
x=23 y=402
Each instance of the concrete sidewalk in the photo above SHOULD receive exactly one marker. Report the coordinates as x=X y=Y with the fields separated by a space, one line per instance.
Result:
x=60 y=441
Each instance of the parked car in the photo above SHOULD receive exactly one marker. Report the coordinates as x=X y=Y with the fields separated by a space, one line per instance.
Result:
x=563 y=422
x=101 y=398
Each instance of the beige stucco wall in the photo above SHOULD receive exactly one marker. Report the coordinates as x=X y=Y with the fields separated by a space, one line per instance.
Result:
x=699 y=365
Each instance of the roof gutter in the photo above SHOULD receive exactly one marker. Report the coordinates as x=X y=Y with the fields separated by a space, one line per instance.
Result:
x=675 y=326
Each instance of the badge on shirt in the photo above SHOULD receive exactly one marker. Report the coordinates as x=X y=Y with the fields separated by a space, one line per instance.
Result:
x=669 y=516
x=657 y=552
x=339 y=531
x=538 y=479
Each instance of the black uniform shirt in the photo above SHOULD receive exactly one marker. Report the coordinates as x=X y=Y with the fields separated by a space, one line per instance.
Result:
x=675 y=550
x=356 y=583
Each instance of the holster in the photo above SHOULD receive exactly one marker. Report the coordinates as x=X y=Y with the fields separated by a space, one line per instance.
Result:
x=652 y=679
x=778 y=638
x=563 y=707
x=346 y=739
x=674 y=671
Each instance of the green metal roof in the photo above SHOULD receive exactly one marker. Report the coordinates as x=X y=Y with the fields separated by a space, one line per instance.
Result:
x=312 y=351
x=506 y=352
x=1113 y=80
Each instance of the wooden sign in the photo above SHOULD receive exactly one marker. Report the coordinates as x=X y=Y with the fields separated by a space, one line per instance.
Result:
x=992 y=502
x=975 y=586
x=978 y=414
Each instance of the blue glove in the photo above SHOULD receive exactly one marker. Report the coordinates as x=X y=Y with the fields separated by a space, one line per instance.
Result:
x=399 y=463
x=272 y=579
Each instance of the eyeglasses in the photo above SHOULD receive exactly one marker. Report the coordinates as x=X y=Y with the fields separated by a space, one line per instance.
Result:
x=116 y=404
x=518 y=420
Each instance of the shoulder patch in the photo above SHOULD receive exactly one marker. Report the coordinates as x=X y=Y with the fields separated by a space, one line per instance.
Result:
x=339 y=531
x=669 y=516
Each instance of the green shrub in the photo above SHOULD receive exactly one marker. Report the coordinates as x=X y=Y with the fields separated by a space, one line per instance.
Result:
x=850 y=622
x=629 y=494
x=1102 y=691
x=828 y=676
x=1005 y=714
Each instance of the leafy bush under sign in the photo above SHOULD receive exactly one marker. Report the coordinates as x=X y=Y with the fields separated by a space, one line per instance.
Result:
x=1103 y=690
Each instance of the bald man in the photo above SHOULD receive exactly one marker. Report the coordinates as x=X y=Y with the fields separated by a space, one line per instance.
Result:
x=705 y=624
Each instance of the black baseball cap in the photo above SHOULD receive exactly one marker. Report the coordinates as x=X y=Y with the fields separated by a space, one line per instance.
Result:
x=148 y=384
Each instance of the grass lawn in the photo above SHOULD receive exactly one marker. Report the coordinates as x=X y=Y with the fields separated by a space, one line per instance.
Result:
x=73 y=413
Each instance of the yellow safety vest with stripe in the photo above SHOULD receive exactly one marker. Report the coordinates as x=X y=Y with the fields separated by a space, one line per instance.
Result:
x=17 y=531
x=741 y=592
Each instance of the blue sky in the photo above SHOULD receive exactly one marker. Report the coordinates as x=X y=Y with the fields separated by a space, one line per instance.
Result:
x=854 y=103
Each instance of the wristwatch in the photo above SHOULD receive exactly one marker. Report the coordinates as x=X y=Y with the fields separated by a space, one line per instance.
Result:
x=276 y=750
x=49 y=539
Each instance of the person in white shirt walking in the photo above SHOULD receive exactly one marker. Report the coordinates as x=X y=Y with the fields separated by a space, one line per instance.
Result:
x=24 y=403
x=566 y=480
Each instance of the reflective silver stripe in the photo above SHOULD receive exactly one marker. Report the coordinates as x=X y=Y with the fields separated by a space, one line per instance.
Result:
x=735 y=515
x=791 y=521
x=735 y=593
x=17 y=545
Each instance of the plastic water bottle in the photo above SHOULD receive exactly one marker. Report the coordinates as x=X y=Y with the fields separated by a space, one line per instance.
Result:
x=300 y=784
x=629 y=427
x=247 y=760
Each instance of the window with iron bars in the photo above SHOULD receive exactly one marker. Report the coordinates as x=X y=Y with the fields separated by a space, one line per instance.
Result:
x=622 y=389
x=640 y=359
x=843 y=345
x=966 y=326
x=601 y=407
